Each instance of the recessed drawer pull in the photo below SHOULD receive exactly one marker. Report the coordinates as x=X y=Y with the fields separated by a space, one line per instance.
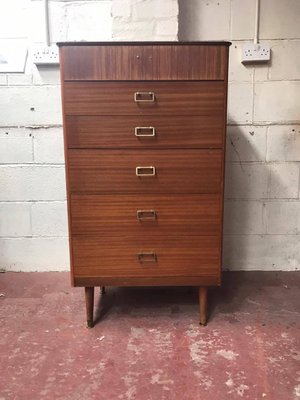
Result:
x=149 y=131
x=145 y=171
x=146 y=215
x=147 y=257
x=144 y=97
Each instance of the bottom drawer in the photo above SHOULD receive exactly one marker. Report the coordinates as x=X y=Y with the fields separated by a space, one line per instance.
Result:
x=146 y=256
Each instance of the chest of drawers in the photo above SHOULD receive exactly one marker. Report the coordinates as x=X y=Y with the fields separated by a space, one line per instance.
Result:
x=144 y=129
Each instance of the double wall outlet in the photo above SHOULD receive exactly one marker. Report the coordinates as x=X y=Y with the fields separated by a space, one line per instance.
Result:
x=256 y=53
x=46 y=55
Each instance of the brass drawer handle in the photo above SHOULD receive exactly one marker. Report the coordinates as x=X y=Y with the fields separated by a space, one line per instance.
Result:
x=146 y=215
x=150 y=131
x=145 y=171
x=144 y=97
x=147 y=257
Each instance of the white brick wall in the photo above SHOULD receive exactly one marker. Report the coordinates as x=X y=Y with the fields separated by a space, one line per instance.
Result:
x=276 y=101
x=246 y=143
x=279 y=19
x=198 y=17
x=144 y=20
x=244 y=217
x=30 y=105
x=262 y=208
x=283 y=217
x=246 y=181
x=283 y=143
x=34 y=254
x=242 y=20
x=15 y=219
x=49 y=218
x=16 y=146
x=32 y=182
x=33 y=215
x=72 y=20
x=261 y=252
x=48 y=146
x=283 y=51
x=240 y=100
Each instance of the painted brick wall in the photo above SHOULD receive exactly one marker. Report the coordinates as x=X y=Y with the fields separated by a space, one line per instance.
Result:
x=33 y=219
x=262 y=216
x=145 y=19
x=262 y=212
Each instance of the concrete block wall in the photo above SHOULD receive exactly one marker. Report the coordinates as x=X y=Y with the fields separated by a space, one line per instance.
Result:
x=33 y=215
x=262 y=209
x=145 y=20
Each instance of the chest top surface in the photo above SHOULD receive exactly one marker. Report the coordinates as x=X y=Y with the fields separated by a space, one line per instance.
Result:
x=144 y=60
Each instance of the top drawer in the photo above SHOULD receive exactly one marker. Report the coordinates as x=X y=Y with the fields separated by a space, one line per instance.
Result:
x=144 y=62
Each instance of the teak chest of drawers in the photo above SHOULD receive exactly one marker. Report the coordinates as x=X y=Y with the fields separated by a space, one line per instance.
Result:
x=144 y=129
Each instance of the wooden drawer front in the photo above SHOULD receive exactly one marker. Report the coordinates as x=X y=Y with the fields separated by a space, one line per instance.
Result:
x=159 y=255
x=120 y=215
x=123 y=132
x=172 y=62
x=110 y=171
x=117 y=98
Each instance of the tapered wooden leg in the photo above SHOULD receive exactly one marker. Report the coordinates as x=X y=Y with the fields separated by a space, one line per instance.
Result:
x=89 y=302
x=102 y=289
x=203 y=305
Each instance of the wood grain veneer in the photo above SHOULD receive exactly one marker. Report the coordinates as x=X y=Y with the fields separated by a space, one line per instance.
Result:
x=111 y=171
x=117 y=98
x=119 y=131
x=209 y=279
x=140 y=62
x=180 y=256
x=129 y=230
x=117 y=215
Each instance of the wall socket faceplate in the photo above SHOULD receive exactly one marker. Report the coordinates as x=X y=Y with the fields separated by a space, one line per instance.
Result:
x=46 y=55
x=255 y=53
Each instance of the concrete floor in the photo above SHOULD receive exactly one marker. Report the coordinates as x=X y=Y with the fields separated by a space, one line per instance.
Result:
x=147 y=343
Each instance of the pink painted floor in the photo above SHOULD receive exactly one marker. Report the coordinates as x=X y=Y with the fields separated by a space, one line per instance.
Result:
x=147 y=343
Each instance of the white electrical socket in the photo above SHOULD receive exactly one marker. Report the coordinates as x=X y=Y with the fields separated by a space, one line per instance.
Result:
x=256 y=52
x=46 y=55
